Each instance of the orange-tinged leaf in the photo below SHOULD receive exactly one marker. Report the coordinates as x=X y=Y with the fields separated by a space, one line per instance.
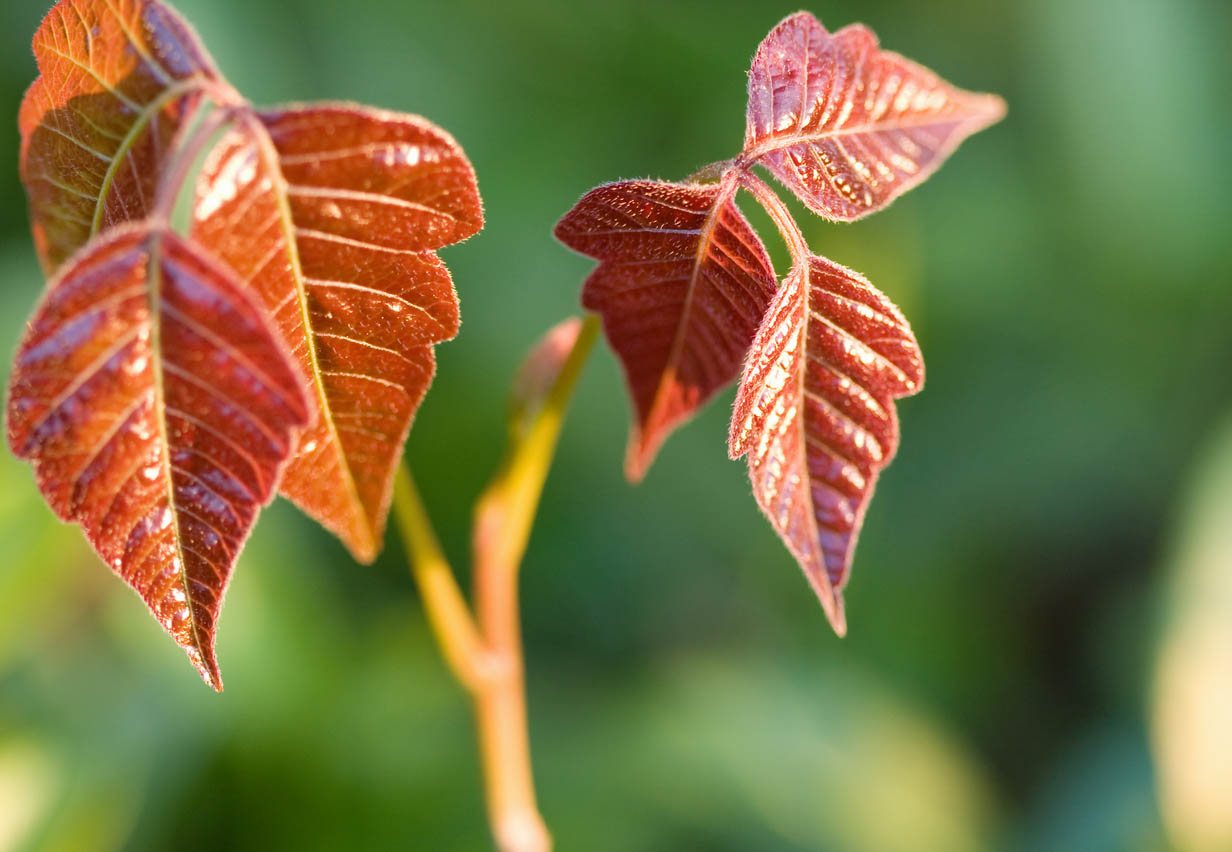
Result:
x=385 y=179
x=849 y=127
x=331 y=214
x=815 y=414
x=682 y=285
x=157 y=407
x=117 y=80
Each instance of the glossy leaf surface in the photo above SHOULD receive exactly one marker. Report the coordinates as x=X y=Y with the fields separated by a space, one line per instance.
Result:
x=157 y=407
x=682 y=285
x=849 y=127
x=815 y=414
x=117 y=79
x=333 y=218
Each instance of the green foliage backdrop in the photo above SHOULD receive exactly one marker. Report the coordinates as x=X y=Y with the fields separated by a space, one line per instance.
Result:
x=1069 y=275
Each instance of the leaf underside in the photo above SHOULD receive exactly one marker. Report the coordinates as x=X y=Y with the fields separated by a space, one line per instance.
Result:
x=683 y=282
x=157 y=407
x=815 y=414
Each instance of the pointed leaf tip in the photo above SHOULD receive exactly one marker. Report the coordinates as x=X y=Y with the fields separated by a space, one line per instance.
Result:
x=849 y=127
x=682 y=283
x=815 y=414
x=157 y=408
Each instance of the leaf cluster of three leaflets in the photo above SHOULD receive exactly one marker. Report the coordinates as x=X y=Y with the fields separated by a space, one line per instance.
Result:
x=165 y=382
x=687 y=292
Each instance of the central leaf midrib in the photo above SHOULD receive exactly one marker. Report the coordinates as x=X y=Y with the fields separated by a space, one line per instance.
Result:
x=726 y=189
x=154 y=300
x=287 y=223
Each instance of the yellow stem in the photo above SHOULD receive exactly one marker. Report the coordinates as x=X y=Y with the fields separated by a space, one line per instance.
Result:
x=487 y=657
x=445 y=606
x=514 y=492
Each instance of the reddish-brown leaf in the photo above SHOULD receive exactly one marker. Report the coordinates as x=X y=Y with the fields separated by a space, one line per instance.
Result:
x=117 y=79
x=815 y=414
x=682 y=285
x=332 y=218
x=849 y=127
x=157 y=407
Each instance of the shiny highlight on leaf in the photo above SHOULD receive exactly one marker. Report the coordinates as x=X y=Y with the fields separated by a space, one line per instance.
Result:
x=687 y=292
x=166 y=381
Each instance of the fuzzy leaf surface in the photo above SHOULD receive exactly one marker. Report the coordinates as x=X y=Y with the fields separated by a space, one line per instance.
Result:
x=116 y=81
x=157 y=407
x=332 y=214
x=682 y=285
x=849 y=127
x=815 y=414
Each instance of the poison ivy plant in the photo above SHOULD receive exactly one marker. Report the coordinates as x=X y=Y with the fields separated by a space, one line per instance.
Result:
x=172 y=381
x=687 y=293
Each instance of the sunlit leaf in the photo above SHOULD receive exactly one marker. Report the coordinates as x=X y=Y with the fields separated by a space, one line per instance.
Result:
x=847 y=126
x=332 y=217
x=682 y=285
x=157 y=407
x=385 y=179
x=117 y=79
x=816 y=417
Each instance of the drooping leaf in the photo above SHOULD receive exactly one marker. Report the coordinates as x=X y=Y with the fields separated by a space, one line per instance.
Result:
x=331 y=213
x=682 y=285
x=117 y=80
x=849 y=127
x=157 y=407
x=815 y=414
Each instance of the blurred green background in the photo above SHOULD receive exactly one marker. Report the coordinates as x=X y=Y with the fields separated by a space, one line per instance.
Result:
x=1040 y=655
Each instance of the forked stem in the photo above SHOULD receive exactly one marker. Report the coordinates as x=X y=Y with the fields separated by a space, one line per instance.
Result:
x=484 y=650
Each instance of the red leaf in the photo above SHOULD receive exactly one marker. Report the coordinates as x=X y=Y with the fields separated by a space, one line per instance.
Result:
x=815 y=414
x=682 y=285
x=846 y=126
x=157 y=406
x=117 y=80
x=333 y=222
